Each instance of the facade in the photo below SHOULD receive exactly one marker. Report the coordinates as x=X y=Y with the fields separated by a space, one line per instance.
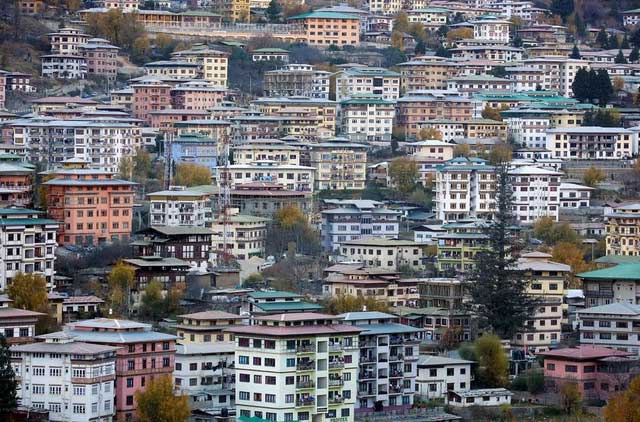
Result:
x=188 y=243
x=267 y=150
x=367 y=118
x=384 y=253
x=234 y=10
x=326 y=28
x=270 y=54
x=437 y=375
x=214 y=64
x=292 y=177
x=623 y=230
x=426 y=73
x=101 y=57
x=197 y=95
x=67 y=41
x=484 y=397
x=245 y=235
x=206 y=327
x=616 y=326
x=308 y=363
x=73 y=380
x=354 y=219
x=573 y=195
x=536 y=193
x=18 y=326
x=492 y=29
x=457 y=248
x=417 y=107
x=192 y=148
x=148 y=96
x=617 y=284
x=388 y=361
x=264 y=199
x=339 y=164
x=64 y=66
x=27 y=245
x=16 y=183
x=560 y=71
x=369 y=81
x=172 y=69
x=179 y=207
x=591 y=143
x=296 y=80
x=452 y=130
x=323 y=111
x=141 y=355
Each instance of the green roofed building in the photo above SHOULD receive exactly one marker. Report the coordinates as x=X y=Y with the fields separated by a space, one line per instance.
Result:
x=620 y=283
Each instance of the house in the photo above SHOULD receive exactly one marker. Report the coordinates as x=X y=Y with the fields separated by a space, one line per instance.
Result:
x=616 y=326
x=206 y=327
x=296 y=80
x=245 y=234
x=366 y=118
x=179 y=206
x=321 y=28
x=370 y=81
x=619 y=283
x=437 y=375
x=18 y=326
x=536 y=193
x=384 y=253
x=623 y=230
x=578 y=143
x=573 y=195
x=170 y=272
x=270 y=54
x=189 y=243
x=457 y=248
x=16 y=183
x=484 y=397
x=418 y=106
x=339 y=164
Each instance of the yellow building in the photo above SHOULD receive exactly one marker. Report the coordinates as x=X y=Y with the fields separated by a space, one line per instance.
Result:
x=623 y=230
x=214 y=64
x=233 y=10
x=323 y=110
x=206 y=327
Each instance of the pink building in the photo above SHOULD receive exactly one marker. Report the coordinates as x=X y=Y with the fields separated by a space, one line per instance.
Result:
x=102 y=57
x=164 y=120
x=598 y=371
x=148 y=96
x=197 y=95
x=142 y=355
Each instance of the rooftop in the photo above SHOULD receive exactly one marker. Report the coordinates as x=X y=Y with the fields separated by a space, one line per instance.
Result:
x=629 y=271
x=584 y=352
x=618 y=309
x=273 y=294
x=210 y=315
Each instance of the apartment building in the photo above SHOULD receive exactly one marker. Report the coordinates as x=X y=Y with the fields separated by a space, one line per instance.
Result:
x=354 y=219
x=170 y=272
x=64 y=66
x=197 y=95
x=27 y=245
x=457 y=248
x=71 y=379
x=191 y=244
x=468 y=85
x=453 y=130
x=89 y=216
x=492 y=29
x=573 y=195
x=385 y=7
x=101 y=57
x=547 y=284
x=525 y=78
x=141 y=355
x=179 y=207
x=245 y=234
x=125 y=5
x=292 y=177
x=388 y=361
x=327 y=28
x=431 y=17
x=172 y=69
x=536 y=193
x=18 y=326
x=499 y=52
x=148 y=96
x=267 y=150
x=325 y=110
x=264 y=199
x=339 y=164
x=67 y=40
x=233 y=11
x=465 y=188
x=623 y=230
x=194 y=148
x=439 y=374
x=365 y=118
x=270 y=54
x=426 y=73
x=16 y=183
x=631 y=17
x=617 y=284
x=206 y=327
x=307 y=361
x=559 y=72
x=370 y=81
x=592 y=143
x=430 y=149
x=385 y=253
x=213 y=64
x=416 y=107
x=296 y=80
x=616 y=326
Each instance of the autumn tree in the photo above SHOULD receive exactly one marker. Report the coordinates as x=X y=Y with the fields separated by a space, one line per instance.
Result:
x=593 y=176
x=451 y=338
x=401 y=22
x=403 y=173
x=152 y=302
x=573 y=256
x=491 y=113
x=493 y=362
x=626 y=405
x=397 y=40
x=157 y=402
x=348 y=303
x=122 y=29
x=551 y=232
x=459 y=34
x=429 y=133
x=500 y=153
x=570 y=398
x=291 y=225
x=8 y=383
x=29 y=291
x=121 y=281
x=462 y=150
x=192 y=175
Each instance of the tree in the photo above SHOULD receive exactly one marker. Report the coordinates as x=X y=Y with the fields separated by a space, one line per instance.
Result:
x=491 y=113
x=618 y=83
x=535 y=382
x=593 y=176
x=550 y=232
x=626 y=405
x=152 y=303
x=571 y=255
x=401 y=22
x=291 y=225
x=493 y=362
x=403 y=173
x=602 y=39
x=29 y=291
x=634 y=55
x=121 y=281
x=8 y=383
x=418 y=32
x=157 y=403
x=570 y=398
x=604 y=88
x=625 y=43
x=142 y=165
x=273 y=12
x=613 y=42
x=140 y=50
x=581 y=85
x=459 y=34
x=462 y=150
x=442 y=51
x=581 y=28
x=575 y=53
x=420 y=48
x=498 y=72
x=429 y=133
x=500 y=153
x=602 y=117
x=620 y=58
x=562 y=8
x=192 y=175
x=348 y=303
x=397 y=40
x=451 y=338
x=495 y=285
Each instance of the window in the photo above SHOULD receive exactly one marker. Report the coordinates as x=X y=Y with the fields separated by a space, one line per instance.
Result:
x=270 y=398
x=291 y=362
x=38 y=389
x=570 y=368
x=270 y=380
x=129 y=382
x=79 y=408
x=289 y=380
x=269 y=362
x=245 y=378
x=551 y=366
x=55 y=407
x=38 y=371
x=55 y=390
x=450 y=372
x=289 y=398
x=55 y=372
x=257 y=360
x=243 y=395
x=78 y=390
x=244 y=360
x=257 y=379
x=129 y=400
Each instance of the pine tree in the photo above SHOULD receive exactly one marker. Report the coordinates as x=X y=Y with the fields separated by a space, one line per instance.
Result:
x=420 y=48
x=620 y=58
x=441 y=51
x=8 y=384
x=575 y=53
x=635 y=38
x=517 y=41
x=625 y=43
x=273 y=11
x=634 y=55
x=605 y=87
x=497 y=288
x=580 y=85
x=613 y=42
x=602 y=39
x=581 y=29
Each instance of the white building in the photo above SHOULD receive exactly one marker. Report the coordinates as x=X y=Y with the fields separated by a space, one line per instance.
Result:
x=64 y=66
x=354 y=219
x=73 y=380
x=205 y=373
x=388 y=361
x=430 y=17
x=490 y=28
x=616 y=325
x=559 y=72
x=439 y=374
x=292 y=177
x=367 y=80
x=384 y=253
x=67 y=40
x=179 y=207
x=485 y=397
x=245 y=234
x=367 y=118
x=27 y=245
x=297 y=366
x=385 y=7
x=592 y=143
x=339 y=164
x=536 y=193
x=266 y=150
x=573 y=195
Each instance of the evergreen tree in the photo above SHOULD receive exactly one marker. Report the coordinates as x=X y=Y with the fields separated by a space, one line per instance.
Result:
x=441 y=51
x=273 y=11
x=605 y=87
x=602 y=39
x=620 y=58
x=517 y=41
x=420 y=48
x=8 y=384
x=497 y=288
x=613 y=42
x=635 y=38
x=575 y=53
x=593 y=86
x=634 y=55
x=581 y=28
x=625 y=43
x=562 y=7
x=580 y=85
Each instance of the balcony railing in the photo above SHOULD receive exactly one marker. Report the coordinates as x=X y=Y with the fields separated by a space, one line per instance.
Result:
x=336 y=365
x=305 y=402
x=336 y=400
x=336 y=383
x=305 y=384
x=306 y=366
x=306 y=348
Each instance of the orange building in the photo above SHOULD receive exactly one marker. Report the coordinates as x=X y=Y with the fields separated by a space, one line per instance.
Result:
x=326 y=28
x=94 y=208
x=150 y=95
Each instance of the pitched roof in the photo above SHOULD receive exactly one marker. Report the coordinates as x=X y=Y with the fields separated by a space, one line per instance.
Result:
x=584 y=352
x=622 y=272
x=613 y=309
x=209 y=315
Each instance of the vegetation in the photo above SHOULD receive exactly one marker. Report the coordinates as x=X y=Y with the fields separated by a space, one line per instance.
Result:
x=291 y=225
x=626 y=405
x=8 y=383
x=429 y=133
x=602 y=117
x=491 y=113
x=500 y=153
x=570 y=398
x=29 y=291
x=122 y=29
x=593 y=176
x=154 y=306
x=192 y=175
x=550 y=232
x=592 y=86
x=493 y=362
x=157 y=402
x=349 y=303
x=403 y=173
x=121 y=281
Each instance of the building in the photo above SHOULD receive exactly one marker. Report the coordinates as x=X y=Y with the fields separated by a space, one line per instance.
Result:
x=468 y=85
x=16 y=183
x=213 y=63
x=245 y=235
x=234 y=10
x=64 y=66
x=456 y=130
x=365 y=118
x=17 y=81
x=72 y=380
x=388 y=362
x=307 y=361
x=430 y=17
x=591 y=143
x=164 y=121
x=430 y=149
x=536 y=193
x=484 y=397
x=172 y=69
x=327 y=28
x=179 y=207
x=206 y=327
x=197 y=95
x=148 y=96
x=170 y=272
x=270 y=54
x=457 y=248
x=264 y=199
x=416 y=107
x=101 y=57
x=491 y=29
x=438 y=374
x=385 y=7
x=616 y=326
x=90 y=216
x=573 y=195
x=426 y=73
x=339 y=165
x=384 y=253
x=27 y=245
x=560 y=72
x=188 y=243
x=369 y=81
x=623 y=230
x=465 y=188
x=437 y=323
x=354 y=219
x=294 y=80
x=192 y=148
x=320 y=109
x=292 y=177
x=141 y=355
x=67 y=41
x=267 y=150
x=547 y=281
x=599 y=372
x=616 y=284
x=631 y=17
x=124 y=5
x=18 y=326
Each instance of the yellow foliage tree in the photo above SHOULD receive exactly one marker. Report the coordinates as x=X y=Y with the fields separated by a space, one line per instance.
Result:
x=404 y=174
x=289 y=216
x=192 y=175
x=397 y=40
x=459 y=34
x=593 y=176
x=570 y=254
x=570 y=397
x=29 y=291
x=462 y=150
x=500 y=153
x=491 y=113
x=493 y=363
x=121 y=281
x=429 y=133
x=348 y=303
x=157 y=402
x=625 y=406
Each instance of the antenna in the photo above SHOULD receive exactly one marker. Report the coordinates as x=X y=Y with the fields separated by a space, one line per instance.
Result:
x=224 y=196
x=168 y=154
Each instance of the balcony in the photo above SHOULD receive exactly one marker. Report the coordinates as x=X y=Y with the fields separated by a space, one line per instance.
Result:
x=396 y=374
x=301 y=385
x=336 y=400
x=336 y=383
x=334 y=348
x=396 y=358
x=306 y=348
x=306 y=366
x=396 y=340
x=303 y=402
x=336 y=365
x=367 y=359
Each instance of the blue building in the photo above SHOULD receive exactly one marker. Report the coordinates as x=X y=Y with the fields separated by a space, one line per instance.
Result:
x=195 y=149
